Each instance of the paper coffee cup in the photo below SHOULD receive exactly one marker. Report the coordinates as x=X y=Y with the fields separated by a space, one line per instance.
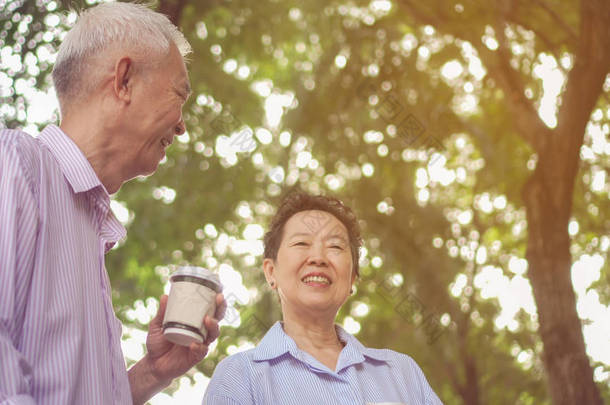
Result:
x=191 y=297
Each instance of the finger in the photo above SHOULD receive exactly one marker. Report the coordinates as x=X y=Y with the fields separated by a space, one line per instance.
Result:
x=221 y=307
x=197 y=351
x=158 y=319
x=211 y=326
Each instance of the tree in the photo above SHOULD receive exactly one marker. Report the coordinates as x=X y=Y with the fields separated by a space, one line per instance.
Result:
x=447 y=195
x=548 y=193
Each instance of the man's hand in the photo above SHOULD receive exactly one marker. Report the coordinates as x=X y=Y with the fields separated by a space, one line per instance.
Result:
x=165 y=360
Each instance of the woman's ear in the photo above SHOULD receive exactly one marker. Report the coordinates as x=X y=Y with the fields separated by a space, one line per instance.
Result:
x=269 y=269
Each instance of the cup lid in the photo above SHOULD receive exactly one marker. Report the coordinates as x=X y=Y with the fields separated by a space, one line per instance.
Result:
x=199 y=272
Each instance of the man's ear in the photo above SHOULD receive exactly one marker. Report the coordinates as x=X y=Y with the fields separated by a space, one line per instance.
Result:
x=269 y=268
x=123 y=79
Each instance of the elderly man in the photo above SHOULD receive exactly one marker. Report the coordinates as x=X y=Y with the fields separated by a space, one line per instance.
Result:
x=121 y=82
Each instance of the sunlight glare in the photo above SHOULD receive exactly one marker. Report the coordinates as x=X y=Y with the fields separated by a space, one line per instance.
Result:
x=351 y=325
x=552 y=81
x=452 y=70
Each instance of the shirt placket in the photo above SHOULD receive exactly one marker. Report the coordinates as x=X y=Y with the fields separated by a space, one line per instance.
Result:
x=102 y=210
x=345 y=393
x=348 y=359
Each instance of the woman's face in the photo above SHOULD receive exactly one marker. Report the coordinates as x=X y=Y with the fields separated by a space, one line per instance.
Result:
x=313 y=269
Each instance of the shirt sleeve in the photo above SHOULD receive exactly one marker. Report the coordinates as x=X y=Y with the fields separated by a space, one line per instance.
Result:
x=430 y=397
x=230 y=383
x=18 y=229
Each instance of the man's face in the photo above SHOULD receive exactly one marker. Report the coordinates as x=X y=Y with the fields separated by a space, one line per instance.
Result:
x=156 y=113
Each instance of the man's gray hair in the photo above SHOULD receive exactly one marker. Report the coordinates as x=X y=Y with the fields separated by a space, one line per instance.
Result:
x=107 y=26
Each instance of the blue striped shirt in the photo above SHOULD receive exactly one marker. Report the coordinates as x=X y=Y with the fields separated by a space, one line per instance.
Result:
x=59 y=337
x=278 y=372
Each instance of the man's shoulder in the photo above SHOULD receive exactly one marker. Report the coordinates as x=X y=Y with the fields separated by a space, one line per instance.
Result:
x=20 y=143
x=16 y=138
x=23 y=152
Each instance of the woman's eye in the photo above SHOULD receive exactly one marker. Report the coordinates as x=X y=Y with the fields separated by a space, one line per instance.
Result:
x=337 y=247
x=299 y=244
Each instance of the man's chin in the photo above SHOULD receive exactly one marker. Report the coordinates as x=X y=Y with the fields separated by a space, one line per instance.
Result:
x=151 y=171
x=148 y=170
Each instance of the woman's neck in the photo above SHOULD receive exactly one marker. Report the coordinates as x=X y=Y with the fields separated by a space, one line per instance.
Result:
x=317 y=337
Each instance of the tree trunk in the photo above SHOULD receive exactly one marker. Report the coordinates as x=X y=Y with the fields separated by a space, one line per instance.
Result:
x=172 y=9
x=569 y=374
x=548 y=198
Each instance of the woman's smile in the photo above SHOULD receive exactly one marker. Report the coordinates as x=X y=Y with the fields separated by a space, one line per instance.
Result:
x=318 y=280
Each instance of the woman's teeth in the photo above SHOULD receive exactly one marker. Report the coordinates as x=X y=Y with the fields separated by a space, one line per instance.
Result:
x=316 y=279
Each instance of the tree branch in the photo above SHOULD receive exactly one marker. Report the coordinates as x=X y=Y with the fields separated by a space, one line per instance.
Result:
x=584 y=84
x=530 y=126
x=558 y=20
x=552 y=47
x=529 y=123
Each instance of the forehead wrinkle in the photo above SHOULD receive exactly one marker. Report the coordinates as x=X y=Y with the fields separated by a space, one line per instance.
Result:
x=299 y=234
x=336 y=236
x=325 y=238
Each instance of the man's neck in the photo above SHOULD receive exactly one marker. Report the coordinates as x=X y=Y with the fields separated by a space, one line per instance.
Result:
x=97 y=147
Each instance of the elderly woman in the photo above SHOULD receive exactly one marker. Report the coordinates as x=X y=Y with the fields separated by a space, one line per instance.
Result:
x=311 y=260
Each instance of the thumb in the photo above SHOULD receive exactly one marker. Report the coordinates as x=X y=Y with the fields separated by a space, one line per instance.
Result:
x=158 y=319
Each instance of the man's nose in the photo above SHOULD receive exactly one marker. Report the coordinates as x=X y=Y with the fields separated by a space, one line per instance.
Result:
x=181 y=127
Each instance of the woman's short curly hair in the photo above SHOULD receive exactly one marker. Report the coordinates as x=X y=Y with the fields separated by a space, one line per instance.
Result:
x=298 y=201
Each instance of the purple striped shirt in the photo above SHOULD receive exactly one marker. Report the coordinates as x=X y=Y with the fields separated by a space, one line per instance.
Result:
x=59 y=337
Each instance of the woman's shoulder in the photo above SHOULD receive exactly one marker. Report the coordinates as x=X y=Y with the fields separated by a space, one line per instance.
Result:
x=401 y=364
x=245 y=360
x=237 y=363
x=231 y=380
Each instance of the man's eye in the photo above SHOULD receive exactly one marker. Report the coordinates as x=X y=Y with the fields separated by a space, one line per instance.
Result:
x=337 y=247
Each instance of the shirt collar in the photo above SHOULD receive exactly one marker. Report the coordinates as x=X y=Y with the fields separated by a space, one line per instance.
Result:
x=80 y=175
x=76 y=168
x=355 y=352
x=276 y=343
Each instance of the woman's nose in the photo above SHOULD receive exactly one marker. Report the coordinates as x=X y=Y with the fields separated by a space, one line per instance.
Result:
x=317 y=256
